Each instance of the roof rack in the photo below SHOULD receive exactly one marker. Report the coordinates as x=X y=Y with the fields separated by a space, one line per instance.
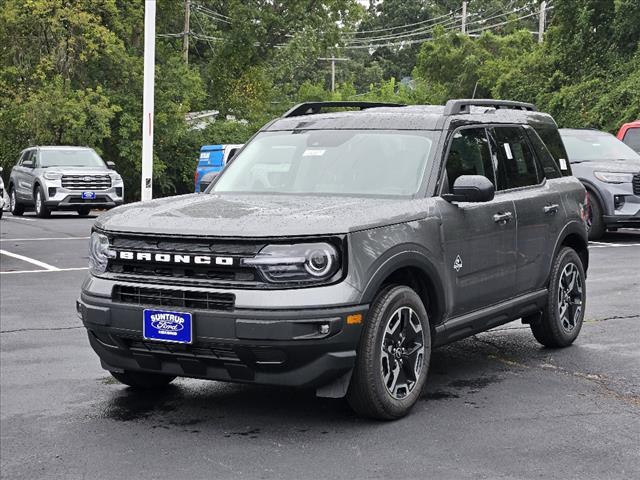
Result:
x=454 y=107
x=311 y=108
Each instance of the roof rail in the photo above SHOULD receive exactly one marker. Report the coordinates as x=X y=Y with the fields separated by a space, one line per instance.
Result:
x=454 y=107
x=311 y=108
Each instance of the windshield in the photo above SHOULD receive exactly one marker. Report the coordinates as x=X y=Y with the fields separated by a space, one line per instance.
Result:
x=70 y=158
x=591 y=145
x=330 y=162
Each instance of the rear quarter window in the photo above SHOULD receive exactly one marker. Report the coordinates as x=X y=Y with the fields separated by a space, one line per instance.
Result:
x=551 y=138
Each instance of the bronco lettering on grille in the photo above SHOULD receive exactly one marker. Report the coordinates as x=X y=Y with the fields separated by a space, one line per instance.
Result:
x=175 y=258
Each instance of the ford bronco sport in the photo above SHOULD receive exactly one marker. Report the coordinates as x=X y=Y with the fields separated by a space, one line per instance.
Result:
x=340 y=248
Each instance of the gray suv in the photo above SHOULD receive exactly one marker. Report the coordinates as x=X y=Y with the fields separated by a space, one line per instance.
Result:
x=610 y=171
x=63 y=178
x=340 y=248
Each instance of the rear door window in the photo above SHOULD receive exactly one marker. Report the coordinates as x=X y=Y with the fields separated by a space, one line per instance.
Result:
x=553 y=141
x=469 y=154
x=545 y=159
x=516 y=165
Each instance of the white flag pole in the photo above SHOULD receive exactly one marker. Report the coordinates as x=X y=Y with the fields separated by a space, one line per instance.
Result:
x=146 y=186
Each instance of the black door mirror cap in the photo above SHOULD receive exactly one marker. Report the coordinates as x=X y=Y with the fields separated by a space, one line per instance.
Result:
x=471 y=188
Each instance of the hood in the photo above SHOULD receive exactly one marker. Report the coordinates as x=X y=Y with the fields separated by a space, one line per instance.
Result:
x=78 y=170
x=622 y=166
x=258 y=215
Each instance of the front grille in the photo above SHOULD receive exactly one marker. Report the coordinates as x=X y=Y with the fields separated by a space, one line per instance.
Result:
x=174 y=298
x=186 y=274
x=86 y=182
x=636 y=184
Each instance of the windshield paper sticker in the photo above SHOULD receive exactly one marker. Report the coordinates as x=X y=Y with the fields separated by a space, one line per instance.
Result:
x=311 y=152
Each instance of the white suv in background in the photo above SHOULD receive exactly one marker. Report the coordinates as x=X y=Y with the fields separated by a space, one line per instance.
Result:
x=63 y=178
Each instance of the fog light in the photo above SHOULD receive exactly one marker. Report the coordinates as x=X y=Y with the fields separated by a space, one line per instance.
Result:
x=618 y=201
x=52 y=191
x=324 y=328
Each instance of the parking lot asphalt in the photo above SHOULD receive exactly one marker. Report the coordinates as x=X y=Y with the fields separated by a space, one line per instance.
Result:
x=496 y=405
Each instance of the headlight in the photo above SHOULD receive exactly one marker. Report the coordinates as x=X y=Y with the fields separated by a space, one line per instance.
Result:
x=99 y=253
x=612 y=177
x=303 y=262
x=52 y=175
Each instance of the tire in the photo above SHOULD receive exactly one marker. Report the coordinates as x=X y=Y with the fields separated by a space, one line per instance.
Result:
x=595 y=222
x=374 y=390
x=15 y=207
x=553 y=328
x=143 y=380
x=42 y=211
x=84 y=211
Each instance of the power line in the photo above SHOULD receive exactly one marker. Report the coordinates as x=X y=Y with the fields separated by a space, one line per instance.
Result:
x=402 y=26
x=508 y=21
x=412 y=33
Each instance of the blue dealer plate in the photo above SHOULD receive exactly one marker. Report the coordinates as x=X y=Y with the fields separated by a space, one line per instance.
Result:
x=88 y=195
x=167 y=326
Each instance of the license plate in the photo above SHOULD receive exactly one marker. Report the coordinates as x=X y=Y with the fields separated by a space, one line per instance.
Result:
x=165 y=326
x=88 y=195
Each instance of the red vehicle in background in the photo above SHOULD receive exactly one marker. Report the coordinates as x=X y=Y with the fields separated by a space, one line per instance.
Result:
x=629 y=133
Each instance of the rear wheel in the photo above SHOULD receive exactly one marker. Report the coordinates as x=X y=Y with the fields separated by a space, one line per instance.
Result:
x=561 y=320
x=41 y=209
x=84 y=211
x=595 y=222
x=143 y=380
x=16 y=208
x=393 y=356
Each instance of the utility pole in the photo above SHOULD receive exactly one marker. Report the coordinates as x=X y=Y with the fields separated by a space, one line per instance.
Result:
x=464 y=17
x=333 y=61
x=146 y=190
x=541 y=21
x=185 y=34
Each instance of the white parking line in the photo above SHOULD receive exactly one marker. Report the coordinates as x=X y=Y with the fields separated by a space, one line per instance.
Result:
x=614 y=245
x=38 y=263
x=41 y=239
x=44 y=271
x=22 y=218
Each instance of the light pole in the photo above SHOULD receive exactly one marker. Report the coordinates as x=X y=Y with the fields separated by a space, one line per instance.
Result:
x=146 y=185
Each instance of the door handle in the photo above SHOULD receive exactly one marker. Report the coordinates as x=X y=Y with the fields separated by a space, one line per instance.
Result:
x=503 y=218
x=551 y=208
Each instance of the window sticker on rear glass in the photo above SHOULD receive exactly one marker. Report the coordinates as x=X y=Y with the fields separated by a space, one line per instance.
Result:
x=563 y=164
x=507 y=150
x=204 y=155
x=313 y=152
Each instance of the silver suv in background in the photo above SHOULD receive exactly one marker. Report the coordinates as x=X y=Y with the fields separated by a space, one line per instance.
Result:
x=63 y=178
x=610 y=171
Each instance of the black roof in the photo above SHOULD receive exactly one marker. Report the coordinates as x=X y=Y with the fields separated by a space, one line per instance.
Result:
x=407 y=117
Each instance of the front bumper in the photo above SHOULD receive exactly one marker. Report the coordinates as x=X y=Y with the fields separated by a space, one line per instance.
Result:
x=274 y=347
x=622 y=205
x=66 y=199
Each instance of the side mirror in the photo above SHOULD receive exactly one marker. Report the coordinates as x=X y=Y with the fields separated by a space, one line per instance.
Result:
x=471 y=188
x=27 y=164
x=1 y=169
x=111 y=165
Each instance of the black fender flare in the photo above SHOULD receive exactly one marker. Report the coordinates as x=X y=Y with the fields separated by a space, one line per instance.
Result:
x=572 y=228
x=593 y=190
x=407 y=255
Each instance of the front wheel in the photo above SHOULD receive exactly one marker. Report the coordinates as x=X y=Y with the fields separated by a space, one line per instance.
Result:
x=595 y=222
x=143 y=380
x=41 y=209
x=561 y=320
x=393 y=356
x=16 y=208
